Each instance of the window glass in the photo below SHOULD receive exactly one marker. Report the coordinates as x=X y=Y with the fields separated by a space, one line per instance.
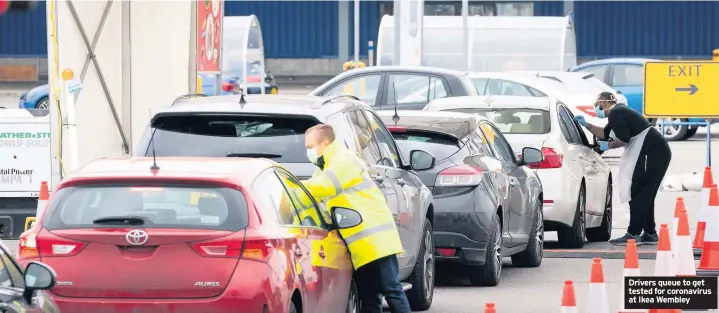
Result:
x=384 y=139
x=536 y=92
x=515 y=9
x=409 y=89
x=437 y=9
x=574 y=125
x=300 y=198
x=232 y=135
x=5 y=279
x=500 y=147
x=16 y=276
x=515 y=121
x=436 y=89
x=343 y=130
x=167 y=205
x=441 y=146
x=481 y=9
x=481 y=141
x=498 y=87
x=481 y=85
x=368 y=148
x=571 y=132
x=274 y=198
x=599 y=71
x=364 y=87
x=628 y=75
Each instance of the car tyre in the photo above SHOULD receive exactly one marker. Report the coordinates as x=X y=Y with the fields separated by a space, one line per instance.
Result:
x=673 y=133
x=604 y=231
x=489 y=273
x=533 y=255
x=691 y=132
x=43 y=104
x=422 y=279
x=573 y=237
x=353 y=304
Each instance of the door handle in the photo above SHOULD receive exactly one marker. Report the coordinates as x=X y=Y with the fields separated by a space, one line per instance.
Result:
x=299 y=253
x=379 y=178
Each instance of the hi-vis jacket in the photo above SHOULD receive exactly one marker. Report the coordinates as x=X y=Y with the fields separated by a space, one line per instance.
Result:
x=345 y=182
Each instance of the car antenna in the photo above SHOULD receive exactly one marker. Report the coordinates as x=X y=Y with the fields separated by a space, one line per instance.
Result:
x=395 y=117
x=154 y=168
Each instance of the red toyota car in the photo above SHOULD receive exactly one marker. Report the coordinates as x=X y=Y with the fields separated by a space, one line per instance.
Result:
x=190 y=235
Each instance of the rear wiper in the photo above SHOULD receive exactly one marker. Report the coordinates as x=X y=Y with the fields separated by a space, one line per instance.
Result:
x=254 y=155
x=121 y=220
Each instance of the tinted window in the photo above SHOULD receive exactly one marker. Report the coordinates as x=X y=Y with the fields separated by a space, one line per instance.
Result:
x=368 y=148
x=384 y=139
x=498 y=87
x=574 y=125
x=298 y=195
x=274 y=198
x=364 y=87
x=441 y=146
x=16 y=276
x=480 y=142
x=571 y=132
x=536 y=92
x=599 y=71
x=164 y=205
x=414 y=89
x=281 y=139
x=481 y=85
x=515 y=121
x=501 y=148
x=5 y=279
x=628 y=75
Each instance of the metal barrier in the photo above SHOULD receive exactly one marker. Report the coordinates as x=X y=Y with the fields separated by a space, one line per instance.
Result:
x=708 y=137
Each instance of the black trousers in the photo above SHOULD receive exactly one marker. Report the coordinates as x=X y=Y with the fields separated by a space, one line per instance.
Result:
x=380 y=278
x=648 y=174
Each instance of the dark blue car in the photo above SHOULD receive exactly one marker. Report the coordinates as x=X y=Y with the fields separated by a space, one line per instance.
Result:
x=627 y=76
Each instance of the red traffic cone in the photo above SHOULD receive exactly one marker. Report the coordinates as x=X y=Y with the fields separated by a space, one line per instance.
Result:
x=703 y=210
x=683 y=254
x=489 y=308
x=663 y=264
x=569 y=300
x=631 y=269
x=42 y=199
x=672 y=231
x=597 y=289
x=709 y=262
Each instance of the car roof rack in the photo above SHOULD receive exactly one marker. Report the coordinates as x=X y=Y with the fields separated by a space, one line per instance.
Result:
x=188 y=96
x=334 y=98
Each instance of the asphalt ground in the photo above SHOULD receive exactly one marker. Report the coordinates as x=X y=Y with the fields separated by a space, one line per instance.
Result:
x=538 y=290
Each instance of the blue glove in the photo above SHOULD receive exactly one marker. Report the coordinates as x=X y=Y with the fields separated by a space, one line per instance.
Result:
x=580 y=119
x=603 y=145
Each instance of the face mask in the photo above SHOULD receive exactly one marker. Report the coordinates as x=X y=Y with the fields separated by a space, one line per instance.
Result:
x=600 y=113
x=312 y=155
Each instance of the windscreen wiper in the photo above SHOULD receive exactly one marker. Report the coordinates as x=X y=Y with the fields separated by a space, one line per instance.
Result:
x=121 y=220
x=254 y=155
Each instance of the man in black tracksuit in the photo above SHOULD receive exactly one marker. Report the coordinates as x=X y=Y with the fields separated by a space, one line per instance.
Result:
x=646 y=151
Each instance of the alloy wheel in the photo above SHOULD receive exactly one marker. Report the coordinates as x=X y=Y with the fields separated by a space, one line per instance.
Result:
x=608 y=206
x=540 y=234
x=669 y=130
x=582 y=213
x=428 y=265
x=43 y=105
x=498 y=250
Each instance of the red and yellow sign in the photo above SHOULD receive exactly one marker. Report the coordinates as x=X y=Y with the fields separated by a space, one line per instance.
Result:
x=209 y=35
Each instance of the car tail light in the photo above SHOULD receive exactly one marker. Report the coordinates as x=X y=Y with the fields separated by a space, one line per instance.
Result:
x=552 y=159
x=447 y=252
x=396 y=129
x=37 y=243
x=587 y=109
x=548 y=201
x=463 y=175
x=228 y=247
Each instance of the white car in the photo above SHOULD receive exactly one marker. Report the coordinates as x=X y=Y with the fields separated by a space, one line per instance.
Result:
x=578 y=82
x=577 y=182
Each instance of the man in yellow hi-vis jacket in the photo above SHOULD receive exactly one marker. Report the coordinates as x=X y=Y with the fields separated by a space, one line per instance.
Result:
x=373 y=244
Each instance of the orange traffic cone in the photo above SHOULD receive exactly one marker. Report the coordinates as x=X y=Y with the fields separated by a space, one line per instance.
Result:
x=489 y=308
x=569 y=300
x=597 y=289
x=709 y=262
x=672 y=231
x=683 y=254
x=703 y=210
x=631 y=269
x=663 y=264
x=42 y=199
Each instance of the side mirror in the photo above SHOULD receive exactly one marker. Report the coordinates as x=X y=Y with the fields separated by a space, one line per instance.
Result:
x=39 y=276
x=421 y=160
x=531 y=156
x=345 y=218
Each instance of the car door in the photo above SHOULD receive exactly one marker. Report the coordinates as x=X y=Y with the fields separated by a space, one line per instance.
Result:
x=328 y=252
x=366 y=87
x=12 y=285
x=517 y=192
x=411 y=217
x=629 y=80
x=412 y=91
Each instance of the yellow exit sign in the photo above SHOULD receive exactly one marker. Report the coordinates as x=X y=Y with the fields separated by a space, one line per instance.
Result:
x=681 y=89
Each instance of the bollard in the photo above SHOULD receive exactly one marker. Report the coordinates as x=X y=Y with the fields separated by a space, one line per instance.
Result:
x=370 y=53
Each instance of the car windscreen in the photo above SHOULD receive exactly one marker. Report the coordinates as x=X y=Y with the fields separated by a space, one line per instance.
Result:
x=515 y=120
x=441 y=146
x=166 y=205
x=280 y=138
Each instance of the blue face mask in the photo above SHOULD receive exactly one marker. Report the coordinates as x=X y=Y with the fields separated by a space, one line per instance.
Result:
x=312 y=155
x=600 y=113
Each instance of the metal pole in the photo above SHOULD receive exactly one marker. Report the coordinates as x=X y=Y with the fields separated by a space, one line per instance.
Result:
x=370 y=53
x=465 y=33
x=709 y=143
x=357 y=32
x=397 y=32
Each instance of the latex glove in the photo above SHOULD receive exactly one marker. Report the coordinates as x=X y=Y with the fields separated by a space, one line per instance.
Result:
x=603 y=145
x=580 y=119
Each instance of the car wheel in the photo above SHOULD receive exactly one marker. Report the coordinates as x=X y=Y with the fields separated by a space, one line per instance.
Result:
x=573 y=237
x=353 y=305
x=533 y=255
x=422 y=279
x=604 y=231
x=293 y=309
x=673 y=132
x=488 y=274
x=43 y=104
x=691 y=132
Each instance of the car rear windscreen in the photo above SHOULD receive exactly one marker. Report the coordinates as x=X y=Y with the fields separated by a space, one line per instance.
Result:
x=515 y=120
x=279 y=138
x=195 y=206
x=441 y=146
